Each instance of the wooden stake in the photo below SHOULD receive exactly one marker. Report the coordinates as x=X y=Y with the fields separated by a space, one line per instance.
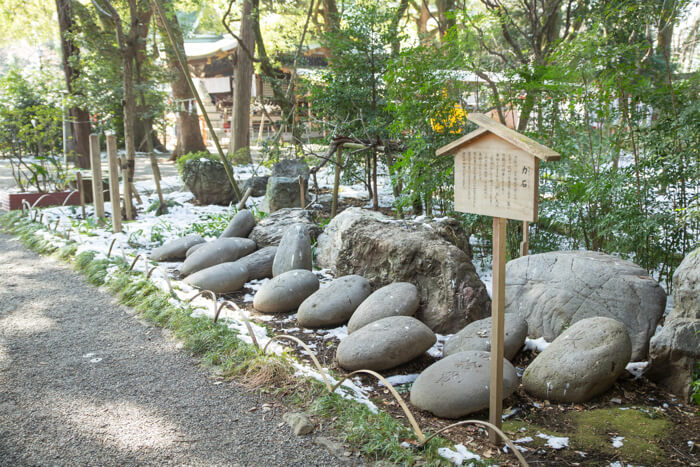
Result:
x=126 y=184
x=96 y=165
x=246 y=195
x=114 y=183
x=79 y=178
x=497 y=325
x=336 y=180
x=302 y=192
x=525 y=244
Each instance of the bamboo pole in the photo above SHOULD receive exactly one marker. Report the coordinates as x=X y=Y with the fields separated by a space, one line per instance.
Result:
x=114 y=183
x=186 y=73
x=497 y=326
x=302 y=192
x=96 y=165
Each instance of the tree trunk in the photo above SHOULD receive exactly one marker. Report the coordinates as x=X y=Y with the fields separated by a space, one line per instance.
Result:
x=81 y=118
x=189 y=134
x=243 y=81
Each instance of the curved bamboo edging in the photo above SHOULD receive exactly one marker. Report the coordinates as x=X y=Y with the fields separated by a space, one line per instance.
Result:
x=245 y=319
x=68 y=197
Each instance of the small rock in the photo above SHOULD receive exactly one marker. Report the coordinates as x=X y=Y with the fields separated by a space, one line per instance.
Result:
x=459 y=384
x=221 y=278
x=175 y=250
x=241 y=225
x=282 y=192
x=384 y=344
x=477 y=336
x=583 y=362
x=222 y=250
x=396 y=299
x=259 y=263
x=299 y=422
x=286 y=291
x=291 y=168
x=294 y=251
x=334 y=304
x=208 y=182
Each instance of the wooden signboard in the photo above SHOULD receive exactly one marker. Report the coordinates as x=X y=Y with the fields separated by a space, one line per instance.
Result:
x=496 y=174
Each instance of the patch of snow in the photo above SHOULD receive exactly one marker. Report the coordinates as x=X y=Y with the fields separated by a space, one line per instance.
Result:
x=526 y=439
x=436 y=350
x=347 y=390
x=636 y=368
x=617 y=442
x=459 y=455
x=397 y=380
x=339 y=333
x=555 y=442
x=538 y=344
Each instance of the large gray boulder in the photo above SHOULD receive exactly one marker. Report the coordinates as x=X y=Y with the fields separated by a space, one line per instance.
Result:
x=294 y=251
x=270 y=229
x=285 y=292
x=221 y=278
x=552 y=291
x=291 y=168
x=283 y=192
x=477 y=336
x=194 y=248
x=583 y=362
x=385 y=250
x=459 y=384
x=240 y=226
x=335 y=303
x=208 y=182
x=222 y=250
x=384 y=344
x=175 y=250
x=258 y=184
x=259 y=263
x=674 y=351
x=397 y=299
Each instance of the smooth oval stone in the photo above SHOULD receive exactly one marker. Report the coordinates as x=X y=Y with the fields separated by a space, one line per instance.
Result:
x=384 y=344
x=397 y=299
x=286 y=291
x=240 y=226
x=222 y=250
x=194 y=248
x=459 y=384
x=477 y=336
x=583 y=362
x=294 y=250
x=222 y=278
x=175 y=250
x=259 y=263
x=334 y=304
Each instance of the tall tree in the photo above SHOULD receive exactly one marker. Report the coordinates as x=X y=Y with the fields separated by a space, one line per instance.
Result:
x=70 y=52
x=189 y=134
x=243 y=81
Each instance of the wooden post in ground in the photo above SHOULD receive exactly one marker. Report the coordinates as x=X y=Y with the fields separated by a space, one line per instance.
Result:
x=114 y=183
x=96 y=165
x=79 y=181
x=246 y=195
x=126 y=184
x=302 y=192
x=525 y=244
x=336 y=180
x=497 y=325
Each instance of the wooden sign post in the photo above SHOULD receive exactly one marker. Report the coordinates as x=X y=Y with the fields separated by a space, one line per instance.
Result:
x=496 y=174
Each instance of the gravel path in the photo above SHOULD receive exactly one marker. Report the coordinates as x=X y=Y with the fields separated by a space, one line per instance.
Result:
x=82 y=381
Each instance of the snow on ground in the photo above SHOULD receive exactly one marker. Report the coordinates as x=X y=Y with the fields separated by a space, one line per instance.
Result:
x=538 y=344
x=459 y=455
x=555 y=442
x=637 y=368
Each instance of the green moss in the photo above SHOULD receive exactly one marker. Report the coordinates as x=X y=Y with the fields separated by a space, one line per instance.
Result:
x=190 y=156
x=642 y=432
